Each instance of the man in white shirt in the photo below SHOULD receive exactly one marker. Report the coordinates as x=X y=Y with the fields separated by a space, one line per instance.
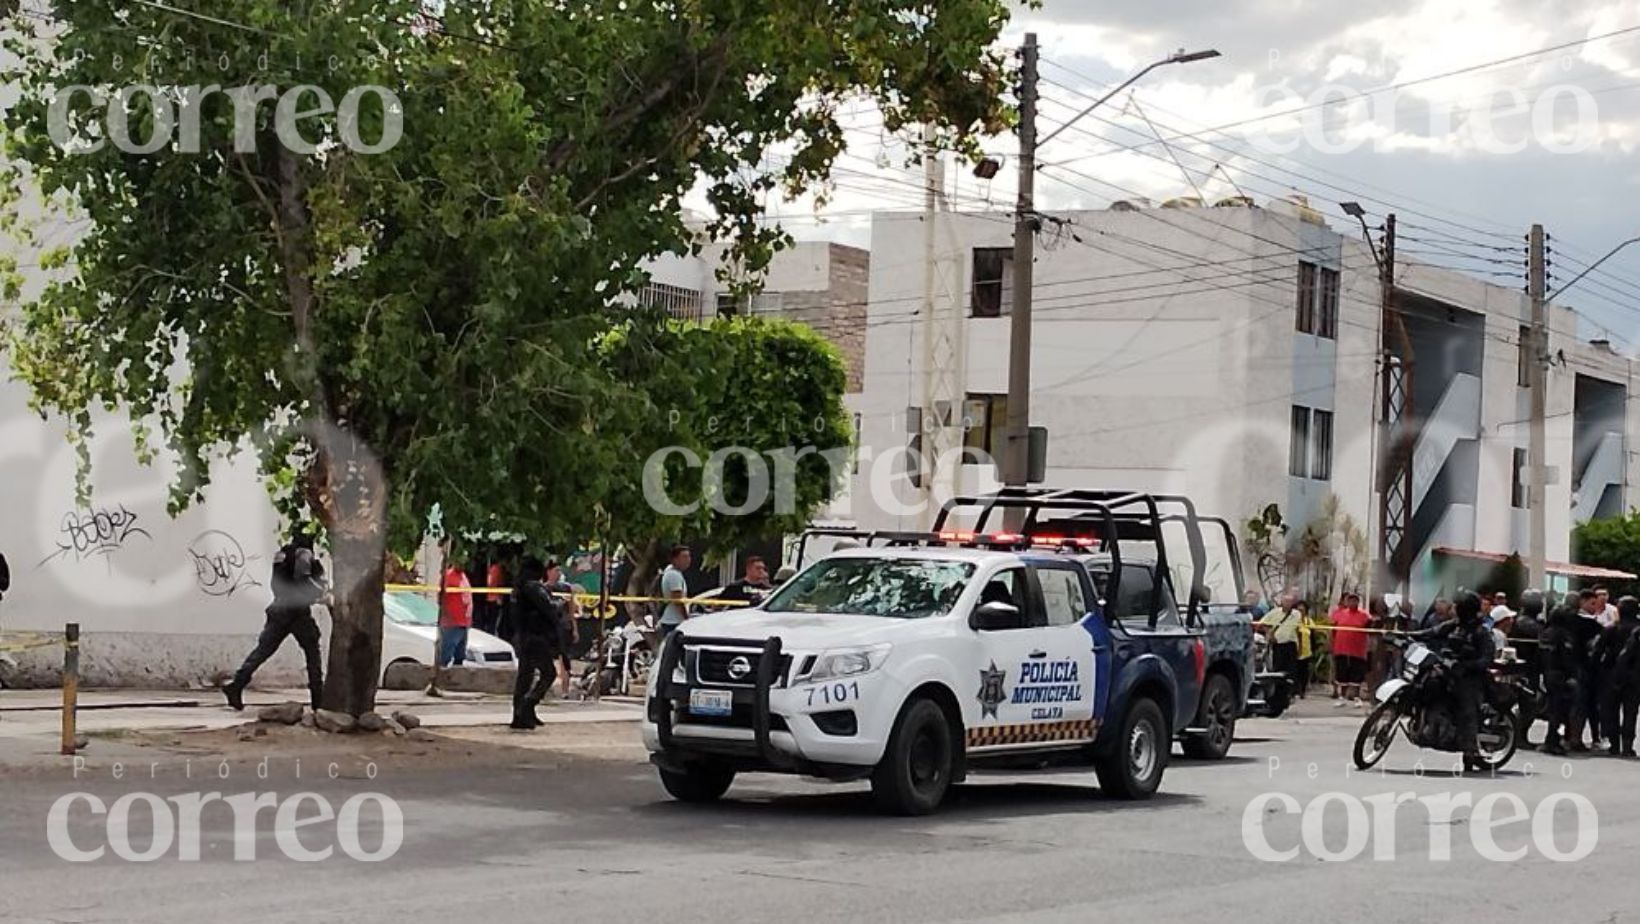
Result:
x=1608 y=612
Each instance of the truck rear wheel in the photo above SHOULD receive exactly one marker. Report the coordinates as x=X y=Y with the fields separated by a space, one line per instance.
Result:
x=1133 y=769
x=1218 y=717
x=698 y=782
x=915 y=772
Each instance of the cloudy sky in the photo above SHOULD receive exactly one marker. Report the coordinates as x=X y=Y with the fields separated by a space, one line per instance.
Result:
x=1338 y=101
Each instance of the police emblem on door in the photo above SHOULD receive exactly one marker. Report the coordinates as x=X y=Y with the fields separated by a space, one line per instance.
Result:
x=991 y=690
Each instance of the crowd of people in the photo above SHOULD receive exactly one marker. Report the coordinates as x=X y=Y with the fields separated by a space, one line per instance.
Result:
x=1580 y=653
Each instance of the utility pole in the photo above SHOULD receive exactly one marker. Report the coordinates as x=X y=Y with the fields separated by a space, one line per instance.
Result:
x=1395 y=499
x=1538 y=381
x=943 y=363
x=1019 y=328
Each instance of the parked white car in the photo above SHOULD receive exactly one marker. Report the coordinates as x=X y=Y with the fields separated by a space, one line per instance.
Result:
x=411 y=628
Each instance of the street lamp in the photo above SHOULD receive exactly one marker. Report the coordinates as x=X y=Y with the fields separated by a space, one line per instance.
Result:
x=1179 y=57
x=1579 y=277
x=1355 y=211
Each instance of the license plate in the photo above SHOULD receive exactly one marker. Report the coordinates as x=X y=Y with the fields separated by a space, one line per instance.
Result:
x=711 y=702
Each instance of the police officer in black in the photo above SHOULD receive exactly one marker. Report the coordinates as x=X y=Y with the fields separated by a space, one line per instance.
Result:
x=1618 y=657
x=1468 y=642
x=298 y=582
x=1524 y=636
x=1560 y=663
x=538 y=636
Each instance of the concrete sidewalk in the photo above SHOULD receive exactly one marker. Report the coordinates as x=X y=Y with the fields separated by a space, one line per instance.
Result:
x=31 y=720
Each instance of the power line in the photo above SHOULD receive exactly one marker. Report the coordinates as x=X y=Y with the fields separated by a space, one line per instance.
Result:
x=1402 y=85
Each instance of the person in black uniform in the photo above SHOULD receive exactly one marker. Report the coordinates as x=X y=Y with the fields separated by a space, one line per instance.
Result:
x=298 y=582
x=1617 y=655
x=1586 y=707
x=538 y=636
x=1469 y=643
x=1559 y=661
x=1524 y=636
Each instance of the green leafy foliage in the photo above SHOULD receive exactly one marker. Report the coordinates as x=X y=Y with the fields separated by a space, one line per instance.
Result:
x=723 y=395
x=427 y=324
x=1611 y=543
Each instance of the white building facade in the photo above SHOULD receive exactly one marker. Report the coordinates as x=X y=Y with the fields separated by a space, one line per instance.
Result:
x=1231 y=354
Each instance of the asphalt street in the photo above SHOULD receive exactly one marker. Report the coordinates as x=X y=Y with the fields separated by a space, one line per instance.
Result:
x=585 y=833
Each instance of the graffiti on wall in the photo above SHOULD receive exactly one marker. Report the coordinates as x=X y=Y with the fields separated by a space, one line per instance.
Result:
x=92 y=532
x=221 y=566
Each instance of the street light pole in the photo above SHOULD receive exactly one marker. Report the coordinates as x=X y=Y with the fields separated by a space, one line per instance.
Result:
x=1019 y=322
x=1537 y=433
x=1538 y=378
x=1016 y=449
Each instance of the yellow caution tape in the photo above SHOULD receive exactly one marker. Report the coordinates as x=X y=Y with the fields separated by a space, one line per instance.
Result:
x=28 y=644
x=1317 y=627
x=581 y=595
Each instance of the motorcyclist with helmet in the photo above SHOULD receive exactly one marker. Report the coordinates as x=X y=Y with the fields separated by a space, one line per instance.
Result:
x=1468 y=644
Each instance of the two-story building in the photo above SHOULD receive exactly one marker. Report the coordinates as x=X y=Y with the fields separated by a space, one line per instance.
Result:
x=1233 y=353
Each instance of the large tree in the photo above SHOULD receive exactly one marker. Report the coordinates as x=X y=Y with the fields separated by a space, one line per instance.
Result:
x=736 y=432
x=418 y=323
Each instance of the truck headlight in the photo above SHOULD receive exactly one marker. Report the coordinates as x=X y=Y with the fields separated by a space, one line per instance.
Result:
x=850 y=662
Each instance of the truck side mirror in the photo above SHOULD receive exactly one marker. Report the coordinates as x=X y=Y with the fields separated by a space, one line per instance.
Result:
x=995 y=616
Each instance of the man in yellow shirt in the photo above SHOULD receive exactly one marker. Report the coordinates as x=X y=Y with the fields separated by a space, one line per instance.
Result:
x=1281 y=625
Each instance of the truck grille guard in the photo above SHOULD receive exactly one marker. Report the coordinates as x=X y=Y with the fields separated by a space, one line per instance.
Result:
x=767 y=665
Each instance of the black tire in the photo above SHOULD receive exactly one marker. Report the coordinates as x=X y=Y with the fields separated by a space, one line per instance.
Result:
x=1133 y=770
x=700 y=782
x=916 y=770
x=1217 y=715
x=1507 y=725
x=1378 y=731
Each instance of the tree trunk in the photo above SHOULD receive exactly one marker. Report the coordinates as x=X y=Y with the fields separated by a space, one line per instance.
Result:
x=347 y=488
x=641 y=582
x=354 y=667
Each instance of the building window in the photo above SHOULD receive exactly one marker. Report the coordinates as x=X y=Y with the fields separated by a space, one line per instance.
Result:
x=1310 y=454
x=985 y=428
x=1306 y=296
x=728 y=305
x=1517 y=482
x=1327 y=312
x=1321 y=445
x=1318 y=299
x=1298 y=454
x=1523 y=358
x=993 y=281
x=682 y=304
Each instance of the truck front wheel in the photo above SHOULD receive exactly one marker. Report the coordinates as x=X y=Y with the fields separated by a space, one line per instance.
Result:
x=915 y=772
x=1133 y=769
x=698 y=782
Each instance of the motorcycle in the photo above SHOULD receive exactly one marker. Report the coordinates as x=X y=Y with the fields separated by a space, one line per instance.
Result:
x=1419 y=704
x=628 y=651
x=1272 y=691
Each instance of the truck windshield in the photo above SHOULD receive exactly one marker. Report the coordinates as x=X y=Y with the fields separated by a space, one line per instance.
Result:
x=896 y=588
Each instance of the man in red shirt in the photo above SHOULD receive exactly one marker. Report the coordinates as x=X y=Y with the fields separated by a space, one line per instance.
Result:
x=455 y=614
x=1349 y=646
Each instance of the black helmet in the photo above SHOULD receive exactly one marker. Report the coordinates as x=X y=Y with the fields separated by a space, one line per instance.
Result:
x=1531 y=603
x=1468 y=606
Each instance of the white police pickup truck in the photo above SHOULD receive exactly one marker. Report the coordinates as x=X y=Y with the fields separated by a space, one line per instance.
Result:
x=911 y=665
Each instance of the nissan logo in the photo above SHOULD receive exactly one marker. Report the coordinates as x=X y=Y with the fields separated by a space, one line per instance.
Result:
x=739 y=668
